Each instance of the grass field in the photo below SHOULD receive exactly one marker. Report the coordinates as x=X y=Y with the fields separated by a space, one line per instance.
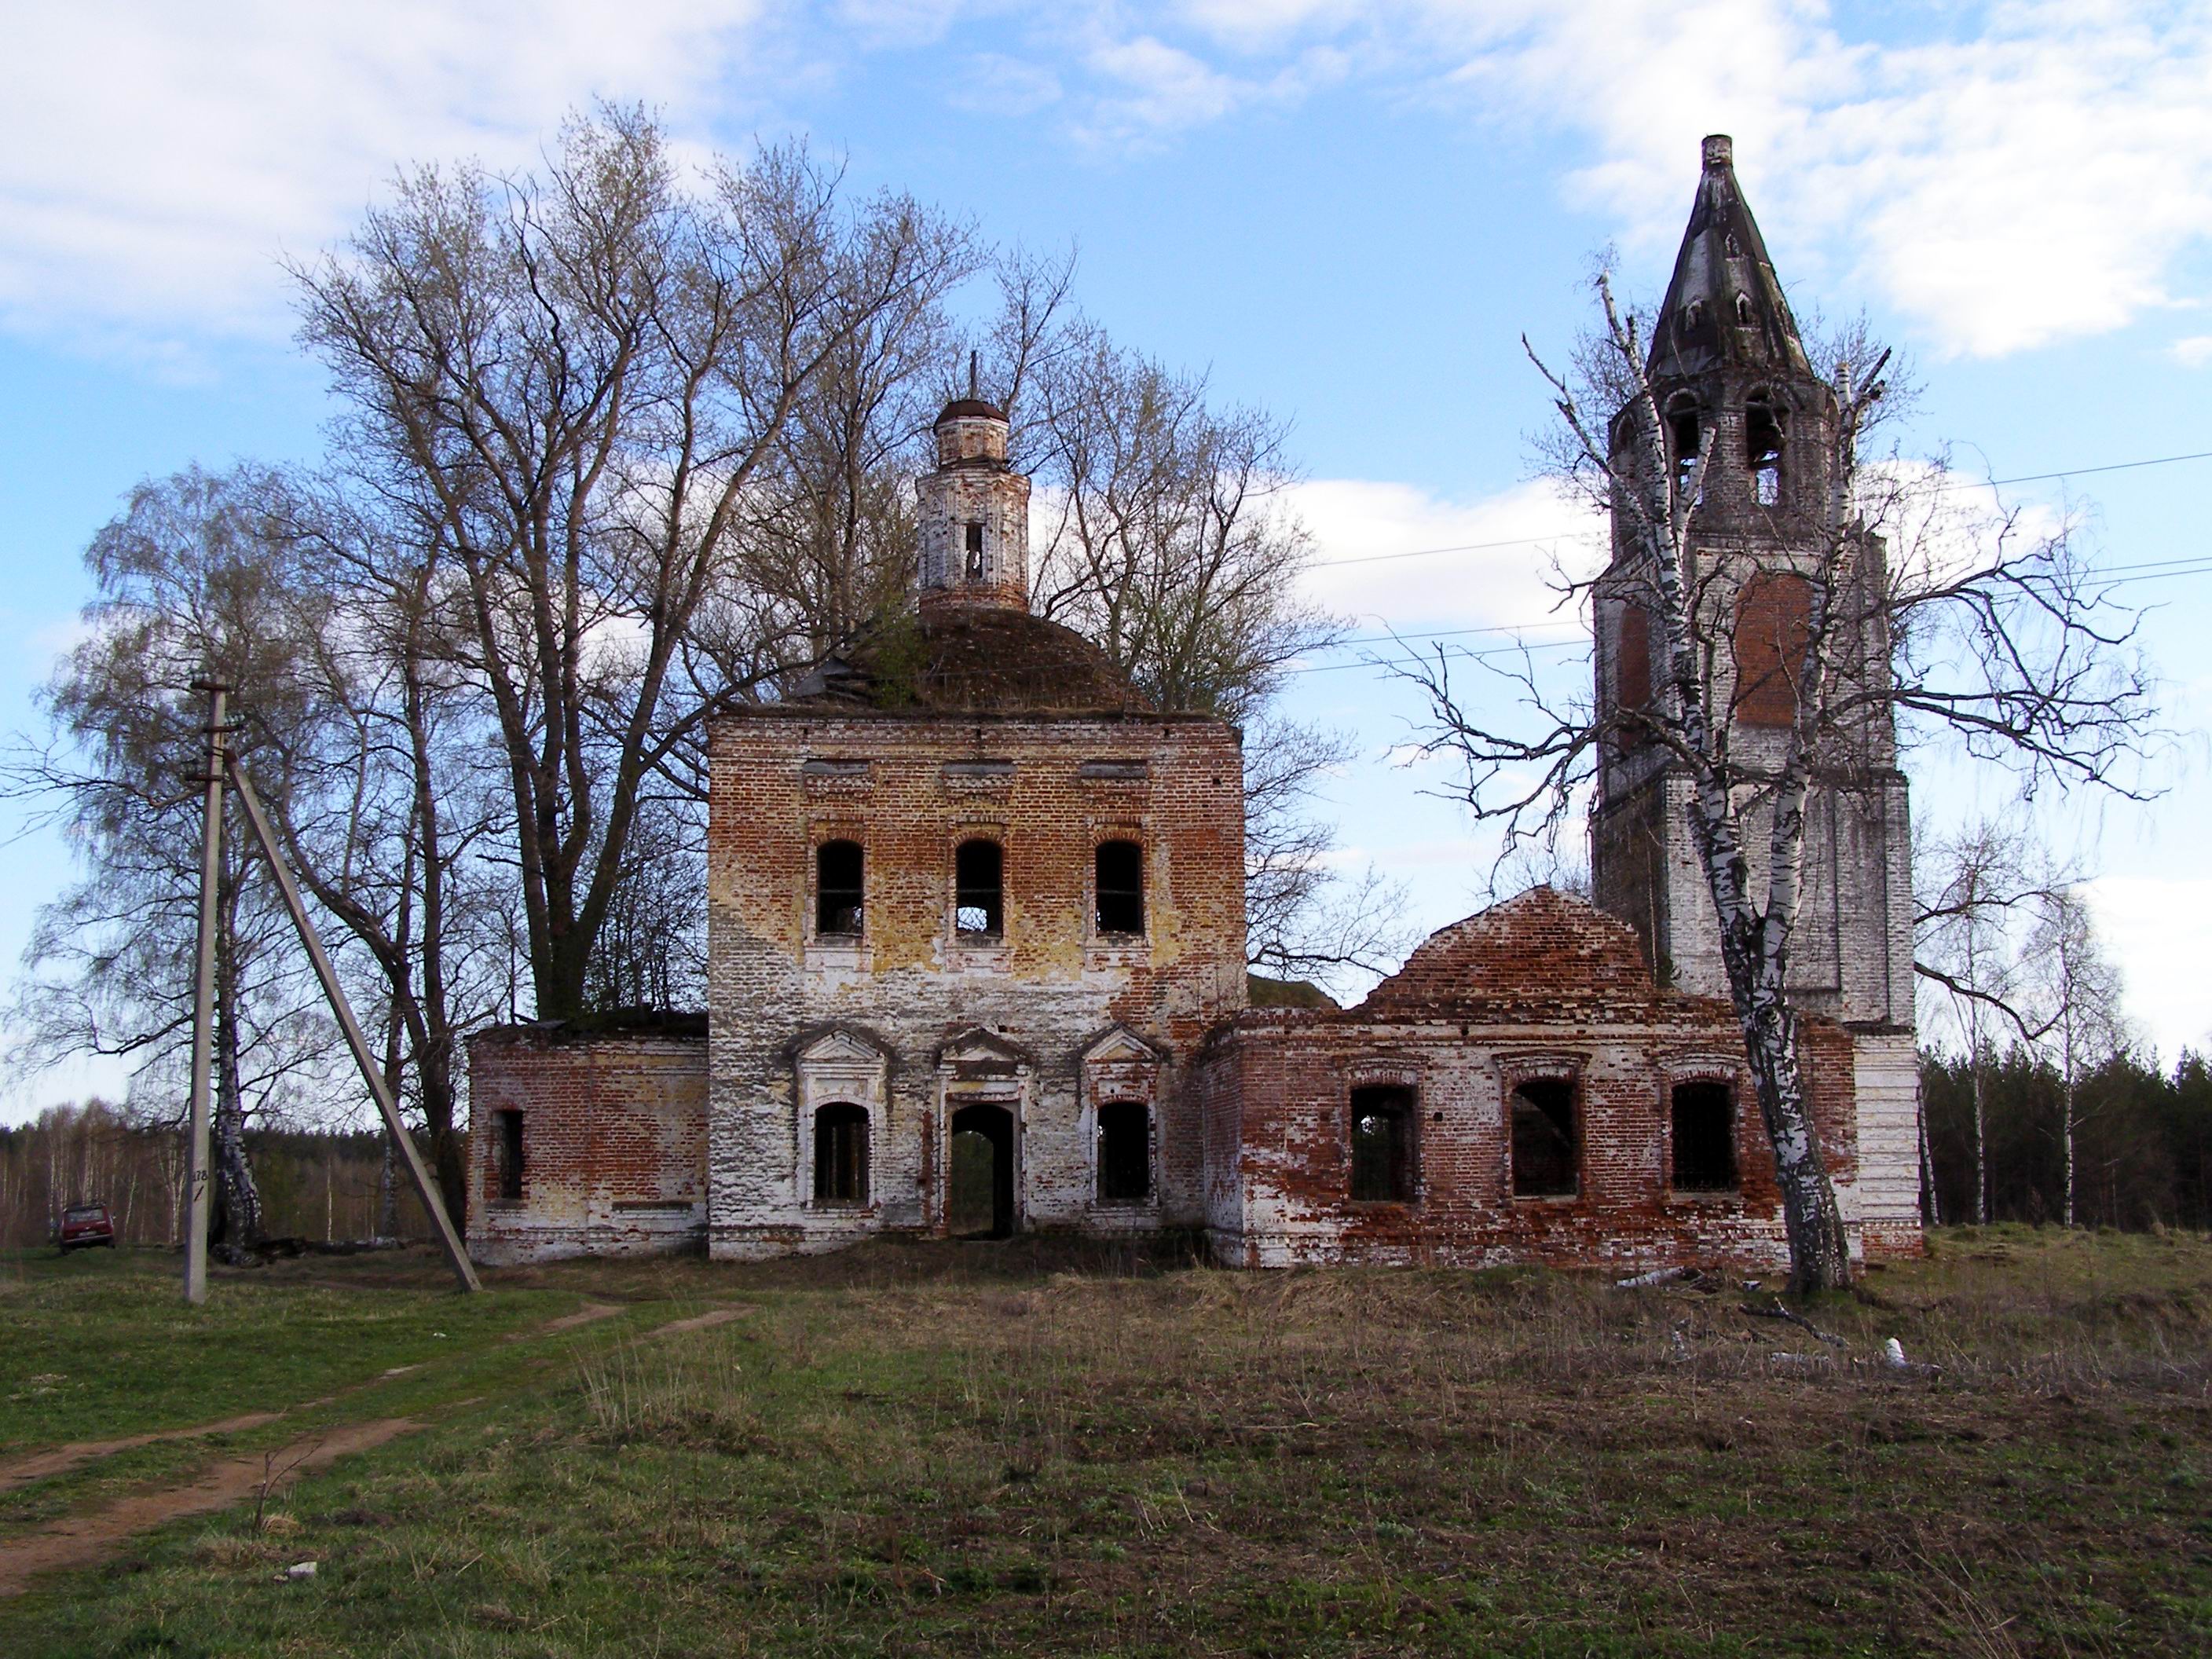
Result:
x=1038 y=1448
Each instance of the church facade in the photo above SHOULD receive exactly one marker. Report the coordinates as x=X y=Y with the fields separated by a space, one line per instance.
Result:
x=976 y=965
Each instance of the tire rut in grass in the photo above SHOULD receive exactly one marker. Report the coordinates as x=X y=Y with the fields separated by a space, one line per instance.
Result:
x=60 y=1460
x=84 y=1540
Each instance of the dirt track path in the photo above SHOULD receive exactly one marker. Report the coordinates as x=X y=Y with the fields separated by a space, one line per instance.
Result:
x=58 y=1460
x=83 y=1540
x=698 y=1322
x=589 y=1313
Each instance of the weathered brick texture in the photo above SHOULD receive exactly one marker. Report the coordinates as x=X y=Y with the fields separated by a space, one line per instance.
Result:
x=613 y=1136
x=1541 y=988
x=1049 y=1020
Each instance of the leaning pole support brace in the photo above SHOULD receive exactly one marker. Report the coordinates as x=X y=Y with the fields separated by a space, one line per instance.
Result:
x=456 y=1256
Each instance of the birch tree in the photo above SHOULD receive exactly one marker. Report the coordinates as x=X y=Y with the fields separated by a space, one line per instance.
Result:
x=2008 y=642
x=1978 y=891
x=2082 y=1025
x=183 y=590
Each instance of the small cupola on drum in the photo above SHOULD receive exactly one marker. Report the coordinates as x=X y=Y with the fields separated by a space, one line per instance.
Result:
x=974 y=511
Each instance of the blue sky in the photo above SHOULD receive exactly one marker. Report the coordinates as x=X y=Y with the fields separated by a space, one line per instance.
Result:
x=1348 y=213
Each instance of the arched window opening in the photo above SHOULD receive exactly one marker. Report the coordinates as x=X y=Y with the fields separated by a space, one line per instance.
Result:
x=1685 y=432
x=1382 y=1151
x=975 y=552
x=1743 y=309
x=1773 y=625
x=1705 y=1137
x=840 y=1155
x=1119 y=887
x=1125 y=1153
x=1546 y=1163
x=838 y=889
x=1762 y=449
x=978 y=889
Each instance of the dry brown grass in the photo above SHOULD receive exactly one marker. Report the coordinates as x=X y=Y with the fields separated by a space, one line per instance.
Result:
x=1052 y=1449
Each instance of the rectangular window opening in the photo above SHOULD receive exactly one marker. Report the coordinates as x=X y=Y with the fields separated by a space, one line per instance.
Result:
x=1119 y=887
x=839 y=884
x=975 y=552
x=1704 y=1125
x=1546 y=1157
x=1382 y=1129
x=979 y=889
x=1125 y=1153
x=507 y=1156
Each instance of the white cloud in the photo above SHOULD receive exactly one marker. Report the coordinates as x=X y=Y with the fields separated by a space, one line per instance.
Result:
x=2037 y=179
x=2159 y=931
x=1496 y=574
x=1159 y=88
x=155 y=159
x=2006 y=175
x=2038 y=174
x=995 y=84
x=2193 y=352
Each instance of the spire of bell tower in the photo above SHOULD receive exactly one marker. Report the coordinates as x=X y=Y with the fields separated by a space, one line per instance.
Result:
x=1724 y=308
x=974 y=510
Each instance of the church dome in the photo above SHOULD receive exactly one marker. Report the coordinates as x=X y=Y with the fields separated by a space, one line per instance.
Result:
x=976 y=659
x=970 y=409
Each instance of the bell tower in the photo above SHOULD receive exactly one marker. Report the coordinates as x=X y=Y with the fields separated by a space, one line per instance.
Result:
x=1728 y=368
x=974 y=511
x=1732 y=381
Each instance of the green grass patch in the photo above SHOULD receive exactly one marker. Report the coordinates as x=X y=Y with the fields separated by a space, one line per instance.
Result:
x=99 y=1344
x=898 y=1453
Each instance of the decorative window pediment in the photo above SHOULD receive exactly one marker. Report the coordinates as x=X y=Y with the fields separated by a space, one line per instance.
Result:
x=842 y=1064
x=841 y=1045
x=1117 y=1045
x=977 y=1049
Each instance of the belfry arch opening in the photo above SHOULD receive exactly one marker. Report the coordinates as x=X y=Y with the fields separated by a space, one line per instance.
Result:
x=1763 y=439
x=1684 y=432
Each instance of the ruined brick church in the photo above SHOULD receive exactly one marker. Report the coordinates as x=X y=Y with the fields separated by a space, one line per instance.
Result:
x=977 y=963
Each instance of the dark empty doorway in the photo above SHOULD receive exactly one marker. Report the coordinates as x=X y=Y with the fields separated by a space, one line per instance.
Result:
x=980 y=1203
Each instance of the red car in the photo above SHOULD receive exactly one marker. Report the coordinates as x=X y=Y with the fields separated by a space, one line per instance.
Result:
x=84 y=1225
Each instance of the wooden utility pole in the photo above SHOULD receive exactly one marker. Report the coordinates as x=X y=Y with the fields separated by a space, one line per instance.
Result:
x=223 y=766
x=456 y=1255
x=196 y=1158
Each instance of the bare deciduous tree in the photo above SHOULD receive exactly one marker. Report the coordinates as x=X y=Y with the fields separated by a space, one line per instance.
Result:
x=573 y=382
x=2077 y=992
x=183 y=588
x=1173 y=543
x=2007 y=641
x=1976 y=892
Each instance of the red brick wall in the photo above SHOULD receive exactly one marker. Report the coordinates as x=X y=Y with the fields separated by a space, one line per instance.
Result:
x=1543 y=986
x=614 y=1142
x=910 y=786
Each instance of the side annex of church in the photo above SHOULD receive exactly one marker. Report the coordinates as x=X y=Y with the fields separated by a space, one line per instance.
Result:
x=976 y=953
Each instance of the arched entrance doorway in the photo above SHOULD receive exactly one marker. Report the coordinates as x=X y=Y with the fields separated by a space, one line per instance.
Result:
x=980 y=1197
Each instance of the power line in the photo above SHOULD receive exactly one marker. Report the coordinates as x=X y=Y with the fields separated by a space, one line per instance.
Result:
x=2115 y=466
x=2149 y=571
x=1949 y=482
